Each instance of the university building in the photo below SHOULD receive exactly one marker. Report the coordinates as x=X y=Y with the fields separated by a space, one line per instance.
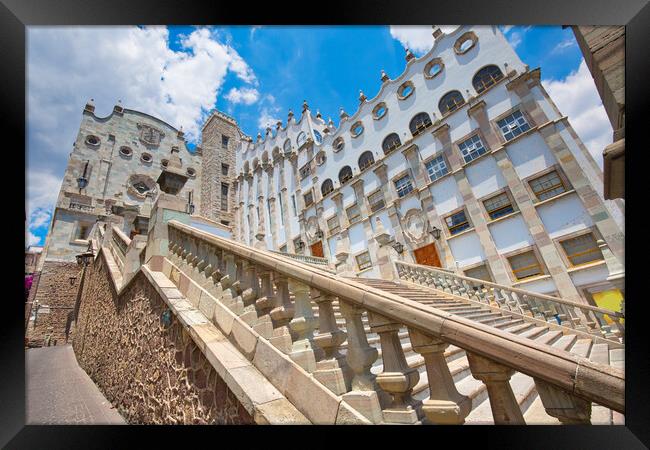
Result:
x=462 y=162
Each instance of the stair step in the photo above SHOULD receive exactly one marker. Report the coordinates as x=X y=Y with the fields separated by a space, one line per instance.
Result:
x=565 y=342
x=534 y=332
x=617 y=358
x=549 y=337
x=509 y=323
x=536 y=414
x=581 y=347
x=599 y=354
x=520 y=328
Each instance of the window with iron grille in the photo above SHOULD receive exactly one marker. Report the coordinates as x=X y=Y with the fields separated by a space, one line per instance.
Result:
x=366 y=160
x=326 y=187
x=498 y=206
x=479 y=272
x=548 y=185
x=582 y=249
x=281 y=209
x=224 y=196
x=437 y=168
x=391 y=142
x=451 y=101
x=472 y=148
x=403 y=185
x=376 y=201
x=345 y=174
x=513 y=125
x=457 y=222
x=353 y=212
x=363 y=261
x=224 y=141
x=224 y=169
x=305 y=171
x=333 y=224
x=525 y=265
x=308 y=198
x=486 y=77
x=419 y=123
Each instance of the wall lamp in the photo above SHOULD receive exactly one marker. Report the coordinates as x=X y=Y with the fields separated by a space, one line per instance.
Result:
x=435 y=232
x=399 y=248
x=319 y=234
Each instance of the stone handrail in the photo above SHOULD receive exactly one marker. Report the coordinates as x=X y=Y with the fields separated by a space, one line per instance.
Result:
x=305 y=258
x=567 y=313
x=275 y=294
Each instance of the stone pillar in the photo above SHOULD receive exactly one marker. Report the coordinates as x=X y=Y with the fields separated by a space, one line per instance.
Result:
x=251 y=210
x=287 y=205
x=273 y=219
x=261 y=219
x=302 y=327
x=342 y=255
x=362 y=201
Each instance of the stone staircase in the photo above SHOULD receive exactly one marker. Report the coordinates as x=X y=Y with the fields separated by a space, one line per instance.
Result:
x=523 y=386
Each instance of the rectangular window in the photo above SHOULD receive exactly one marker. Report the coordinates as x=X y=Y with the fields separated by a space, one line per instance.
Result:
x=83 y=231
x=293 y=203
x=308 y=198
x=376 y=201
x=363 y=261
x=457 y=222
x=224 y=196
x=403 y=185
x=548 y=185
x=479 y=272
x=224 y=169
x=472 y=148
x=353 y=212
x=333 y=224
x=283 y=249
x=582 y=249
x=224 y=141
x=513 y=125
x=298 y=244
x=498 y=206
x=437 y=168
x=225 y=222
x=525 y=265
x=305 y=171
x=281 y=209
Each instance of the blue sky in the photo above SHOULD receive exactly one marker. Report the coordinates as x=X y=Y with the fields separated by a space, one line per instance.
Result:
x=253 y=73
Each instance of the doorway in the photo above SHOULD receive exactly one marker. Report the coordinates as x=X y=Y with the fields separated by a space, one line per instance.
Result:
x=427 y=255
x=317 y=249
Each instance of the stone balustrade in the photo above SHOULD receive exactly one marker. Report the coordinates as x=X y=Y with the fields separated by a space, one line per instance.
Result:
x=118 y=244
x=275 y=295
x=305 y=258
x=577 y=316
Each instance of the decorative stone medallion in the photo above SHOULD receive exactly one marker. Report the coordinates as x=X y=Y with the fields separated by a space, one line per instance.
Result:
x=416 y=225
x=312 y=228
x=139 y=186
x=150 y=135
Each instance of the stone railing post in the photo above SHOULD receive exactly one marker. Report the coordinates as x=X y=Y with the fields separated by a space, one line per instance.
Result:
x=397 y=378
x=567 y=408
x=281 y=315
x=445 y=406
x=495 y=376
x=302 y=327
x=264 y=304
x=333 y=370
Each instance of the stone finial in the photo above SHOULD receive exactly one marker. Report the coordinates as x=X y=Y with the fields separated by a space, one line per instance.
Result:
x=330 y=123
x=318 y=114
x=409 y=55
x=384 y=77
x=90 y=105
x=342 y=113
x=341 y=250
x=181 y=133
x=362 y=96
x=278 y=124
x=259 y=137
x=305 y=106
x=290 y=115
x=268 y=130
x=118 y=108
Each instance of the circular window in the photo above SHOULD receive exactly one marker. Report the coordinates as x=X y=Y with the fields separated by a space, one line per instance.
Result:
x=379 y=111
x=465 y=42
x=405 y=90
x=338 y=144
x=164 y=162
x=317 y=137
x=356 y=129
x=287 y=146
x=191 y=172
x=146 y=158
x=126 y=151
x=321 y=158
x=302 y=137
x=433 y=68
x=92 y=140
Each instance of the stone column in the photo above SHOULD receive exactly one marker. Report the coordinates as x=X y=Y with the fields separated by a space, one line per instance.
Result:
x=342 y=256
x=273 y=218
x=495 y=262
x=302 y=327
x=362 y=201
x=242 y=210
x=287 y=205
x=251 y=210
x=261 y=219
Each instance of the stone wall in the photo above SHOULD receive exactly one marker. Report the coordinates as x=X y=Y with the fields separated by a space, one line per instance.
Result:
x=152 y=372
x=55 y=295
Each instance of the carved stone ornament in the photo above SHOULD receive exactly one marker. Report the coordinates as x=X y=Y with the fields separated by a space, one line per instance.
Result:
x=139 y=186
x=312 y=228
x=150 y=135
x=416 y=225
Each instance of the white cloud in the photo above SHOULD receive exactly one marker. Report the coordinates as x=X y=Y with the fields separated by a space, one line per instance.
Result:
x=247 y=96
x=66 y=66
x=576 y=97
x=268 y=118
x=506 y=28
x=31 y=239
x=561 y=46
x=417 y=38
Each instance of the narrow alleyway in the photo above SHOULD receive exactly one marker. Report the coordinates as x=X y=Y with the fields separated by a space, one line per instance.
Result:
x=58 y=391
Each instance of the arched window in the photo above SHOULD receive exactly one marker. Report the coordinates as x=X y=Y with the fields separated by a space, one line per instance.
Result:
x=486 y=77
x=419 y=123
x=345 y=174
x=391 y=142
x=366 y=160
x=287 y=146
x=302 y=137
x=326 y=187
x=451 y=101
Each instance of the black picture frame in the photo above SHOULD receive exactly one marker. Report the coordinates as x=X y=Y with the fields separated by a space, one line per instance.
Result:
x=16 y=15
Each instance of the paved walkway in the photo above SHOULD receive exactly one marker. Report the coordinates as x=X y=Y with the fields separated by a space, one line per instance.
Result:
x=60 y=392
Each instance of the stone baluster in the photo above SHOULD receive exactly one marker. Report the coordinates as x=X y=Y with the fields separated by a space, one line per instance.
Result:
x=250 y=292
x=397 y=378
x=495 y=376
x=281 y=315
x=185 y=251
x=303 y=349
x=193 y=257
x=444 y=284
x=231 y=297
x=264 y=304
x=364 y=396
x=558 y=403
x=332 y=370
x=202 y=262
